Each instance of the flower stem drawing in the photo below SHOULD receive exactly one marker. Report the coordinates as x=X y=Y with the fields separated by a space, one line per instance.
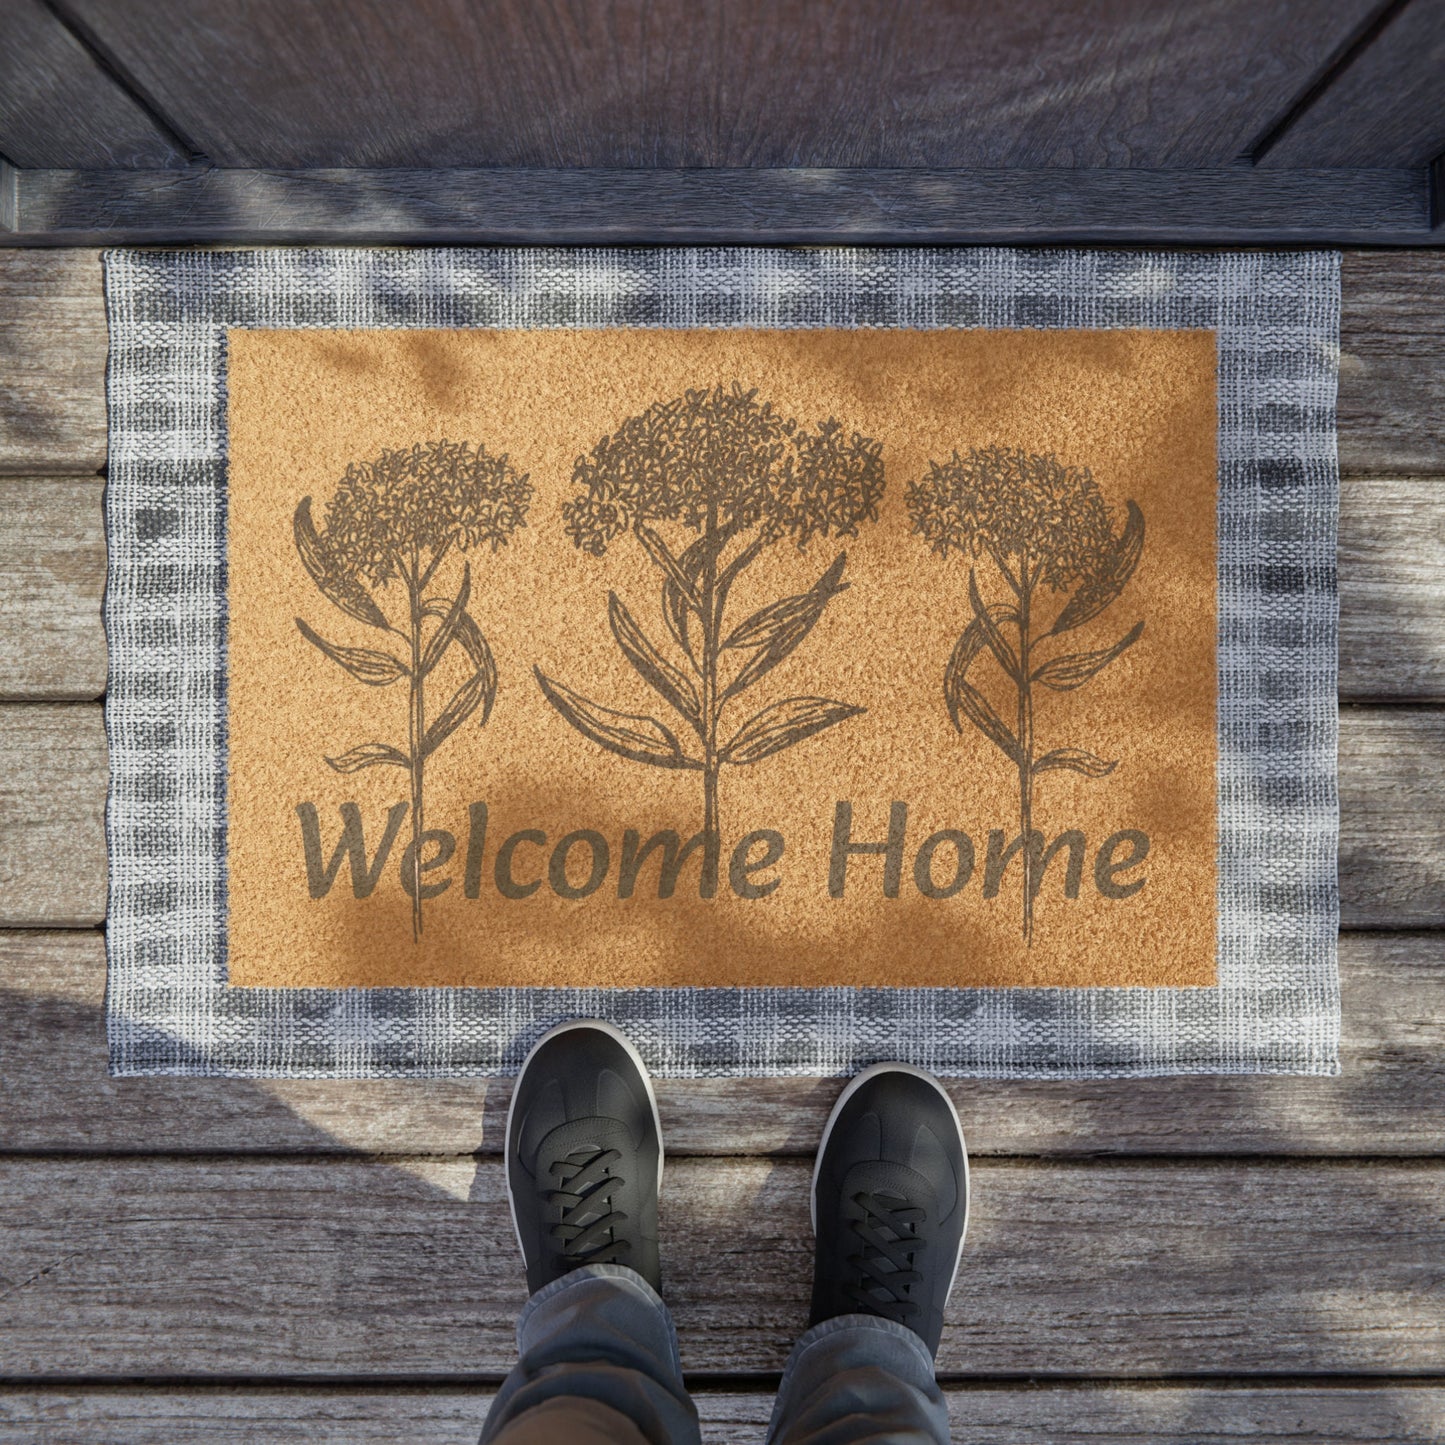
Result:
x=706 y=482
x=1045 y=528
x=397 y=518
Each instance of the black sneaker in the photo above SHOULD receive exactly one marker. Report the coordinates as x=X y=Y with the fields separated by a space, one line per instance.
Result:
x=890 y=1201
x=584 y=1155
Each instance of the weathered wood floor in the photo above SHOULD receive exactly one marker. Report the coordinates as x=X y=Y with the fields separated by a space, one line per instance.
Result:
x=1198 y=1260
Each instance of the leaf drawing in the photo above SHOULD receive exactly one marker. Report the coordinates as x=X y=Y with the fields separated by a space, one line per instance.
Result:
x=369 y=755
x=398 y=519
x=781 y=724
x=1041 y=528
x=706 y=483
x=642 y=739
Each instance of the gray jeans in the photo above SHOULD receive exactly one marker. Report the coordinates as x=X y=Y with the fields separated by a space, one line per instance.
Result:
x=598 y=1365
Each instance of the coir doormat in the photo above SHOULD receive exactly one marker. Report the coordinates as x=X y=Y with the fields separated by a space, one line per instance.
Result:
x=799 y=657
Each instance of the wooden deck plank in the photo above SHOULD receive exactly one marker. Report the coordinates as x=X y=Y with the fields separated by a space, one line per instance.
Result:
x=53 y=773
x=52 y=575
x=1391 y=558
x=369 y=1271
x=53 y=778
x=1392 y=588
x=1388 y=1100
x=53 y=347
x=1326 y=1413
x=52 y=362
x=1382 y=107
x=59 y=107
x=1392 y=362
x=1392 y=817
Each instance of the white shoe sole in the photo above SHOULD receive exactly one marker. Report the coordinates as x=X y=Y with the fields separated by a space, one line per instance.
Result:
x=853 y=1086
x=612 y=1032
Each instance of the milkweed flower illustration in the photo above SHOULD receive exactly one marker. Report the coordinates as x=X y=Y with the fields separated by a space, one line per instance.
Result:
x=1039 y=527
x=705 y=483
x=397 y=519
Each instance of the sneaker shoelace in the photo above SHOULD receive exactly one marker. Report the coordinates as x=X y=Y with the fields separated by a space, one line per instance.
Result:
x=887 y=1228
x=582 y=1193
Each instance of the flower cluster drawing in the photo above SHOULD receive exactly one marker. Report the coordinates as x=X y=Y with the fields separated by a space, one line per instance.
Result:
x=732 y=476
x=397 y=519
x=1045 y=528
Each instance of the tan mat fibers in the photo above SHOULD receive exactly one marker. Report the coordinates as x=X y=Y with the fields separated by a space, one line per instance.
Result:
x=643 y=649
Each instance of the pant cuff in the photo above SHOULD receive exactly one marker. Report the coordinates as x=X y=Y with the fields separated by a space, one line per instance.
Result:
x=860 y=1322
x=625 y=1279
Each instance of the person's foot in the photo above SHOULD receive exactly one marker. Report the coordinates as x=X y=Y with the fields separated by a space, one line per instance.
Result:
x=890 y=1201
x=584 y=1155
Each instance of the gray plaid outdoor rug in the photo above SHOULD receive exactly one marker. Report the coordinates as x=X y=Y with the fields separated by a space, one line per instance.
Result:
x=182 y=999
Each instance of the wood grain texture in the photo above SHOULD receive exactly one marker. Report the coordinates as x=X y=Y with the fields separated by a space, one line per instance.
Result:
x=52 y=800
x=1385 y=108
x=52 y=815
x=1392 y=362
x=1392 y=817
x=707 y=83
x=293 y=1268
x=1389 y=1099
x=1337 y=1413
x=53 y=347
x=59 y=107
x=1392 y=588
x=1391 y=571
x=1225 y=205
x=52 y=362
x=52 y=575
